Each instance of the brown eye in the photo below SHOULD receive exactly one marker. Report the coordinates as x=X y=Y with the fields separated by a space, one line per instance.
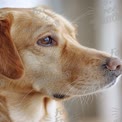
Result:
x=46 y=41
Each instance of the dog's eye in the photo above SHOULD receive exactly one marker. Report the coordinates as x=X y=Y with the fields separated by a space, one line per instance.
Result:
x=46 y=41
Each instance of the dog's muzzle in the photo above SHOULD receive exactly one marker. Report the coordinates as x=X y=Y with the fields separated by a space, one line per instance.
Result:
x=113 y=69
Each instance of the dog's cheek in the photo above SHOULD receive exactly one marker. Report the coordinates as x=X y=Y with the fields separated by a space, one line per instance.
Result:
x=79 y=67
x=71 y=67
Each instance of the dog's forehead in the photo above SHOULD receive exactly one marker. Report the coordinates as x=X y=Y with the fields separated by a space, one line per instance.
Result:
x=50 y=17
x=46 y=16
x=39 y=18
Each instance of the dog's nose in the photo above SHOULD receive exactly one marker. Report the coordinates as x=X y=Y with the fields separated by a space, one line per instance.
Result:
x=114 y=64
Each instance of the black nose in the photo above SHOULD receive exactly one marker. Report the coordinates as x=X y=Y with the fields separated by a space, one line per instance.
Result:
x=114 y=64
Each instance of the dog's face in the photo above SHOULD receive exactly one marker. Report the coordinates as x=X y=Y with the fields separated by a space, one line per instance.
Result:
x=55 y=64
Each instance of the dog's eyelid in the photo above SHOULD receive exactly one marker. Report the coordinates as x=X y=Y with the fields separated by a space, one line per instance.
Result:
x=47 y=33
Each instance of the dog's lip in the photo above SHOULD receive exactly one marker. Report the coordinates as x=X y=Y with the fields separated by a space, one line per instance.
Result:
x=60 y=96
x=112 y=83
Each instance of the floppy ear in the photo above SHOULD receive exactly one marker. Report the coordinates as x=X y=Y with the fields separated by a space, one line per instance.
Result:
x=10 y=62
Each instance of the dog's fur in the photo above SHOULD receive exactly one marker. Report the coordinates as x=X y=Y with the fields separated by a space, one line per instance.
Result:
x=34 y=78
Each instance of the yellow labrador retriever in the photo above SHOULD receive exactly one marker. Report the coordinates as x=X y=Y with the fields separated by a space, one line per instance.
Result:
x=41 y=64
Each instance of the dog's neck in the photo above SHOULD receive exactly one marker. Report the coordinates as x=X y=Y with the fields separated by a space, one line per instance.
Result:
x=29 y=106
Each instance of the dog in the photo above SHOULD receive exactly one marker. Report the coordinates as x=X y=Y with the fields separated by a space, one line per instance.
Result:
x=42 y=64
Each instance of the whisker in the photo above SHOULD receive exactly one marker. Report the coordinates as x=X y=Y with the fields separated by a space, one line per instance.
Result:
x=87 y=13
x=25 y=96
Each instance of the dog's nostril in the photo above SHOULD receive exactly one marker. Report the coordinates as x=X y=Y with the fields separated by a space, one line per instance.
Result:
x=114 y=64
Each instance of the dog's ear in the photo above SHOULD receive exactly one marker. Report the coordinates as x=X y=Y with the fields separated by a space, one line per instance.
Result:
x=10 y=62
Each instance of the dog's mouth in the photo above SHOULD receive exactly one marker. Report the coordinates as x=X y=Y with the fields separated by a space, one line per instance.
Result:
x=60 y=96
x=109 y=80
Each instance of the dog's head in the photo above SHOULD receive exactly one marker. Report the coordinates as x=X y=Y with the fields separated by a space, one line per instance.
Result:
x=39 y=50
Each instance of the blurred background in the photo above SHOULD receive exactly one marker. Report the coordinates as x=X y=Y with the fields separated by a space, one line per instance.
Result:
x=99 y=26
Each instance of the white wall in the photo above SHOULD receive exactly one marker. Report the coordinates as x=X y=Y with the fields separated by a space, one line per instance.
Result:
x=108 y=34
x=22 y=3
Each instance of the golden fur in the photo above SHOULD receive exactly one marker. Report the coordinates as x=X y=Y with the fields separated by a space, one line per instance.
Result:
x=31 y=75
